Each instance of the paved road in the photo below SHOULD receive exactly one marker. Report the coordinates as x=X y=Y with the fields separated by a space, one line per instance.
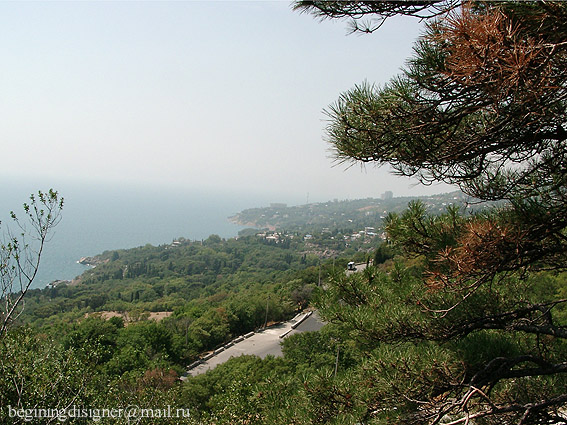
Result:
x=263 y=343
x=359 y=268
x=266 y=342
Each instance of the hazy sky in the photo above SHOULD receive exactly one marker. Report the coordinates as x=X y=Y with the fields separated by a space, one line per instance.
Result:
x=216 y=95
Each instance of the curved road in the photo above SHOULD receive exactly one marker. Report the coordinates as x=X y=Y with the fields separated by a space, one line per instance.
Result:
x=265 y=342
x=262 y=343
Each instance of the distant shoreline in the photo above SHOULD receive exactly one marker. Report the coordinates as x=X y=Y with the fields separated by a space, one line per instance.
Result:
x=234 y=220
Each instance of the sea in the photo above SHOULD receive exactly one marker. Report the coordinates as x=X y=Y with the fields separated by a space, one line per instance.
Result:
x=97 y=217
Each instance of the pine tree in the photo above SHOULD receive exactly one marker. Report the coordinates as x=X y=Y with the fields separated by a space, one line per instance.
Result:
x=470 y=325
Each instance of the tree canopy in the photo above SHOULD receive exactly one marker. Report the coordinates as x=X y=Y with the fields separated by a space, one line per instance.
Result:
x=481 y=104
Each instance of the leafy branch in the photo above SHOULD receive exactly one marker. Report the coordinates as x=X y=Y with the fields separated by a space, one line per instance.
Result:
x=19 y=260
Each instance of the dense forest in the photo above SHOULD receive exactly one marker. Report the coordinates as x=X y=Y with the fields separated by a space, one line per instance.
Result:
x=215 y=290
x=138 y=317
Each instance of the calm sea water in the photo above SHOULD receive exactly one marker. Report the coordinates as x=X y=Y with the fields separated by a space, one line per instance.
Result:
x=97 y=218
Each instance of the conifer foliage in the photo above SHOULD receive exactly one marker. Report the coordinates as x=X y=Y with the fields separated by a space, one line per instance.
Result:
x=469 y=325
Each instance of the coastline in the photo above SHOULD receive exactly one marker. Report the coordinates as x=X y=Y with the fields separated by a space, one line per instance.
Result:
x=236 y=220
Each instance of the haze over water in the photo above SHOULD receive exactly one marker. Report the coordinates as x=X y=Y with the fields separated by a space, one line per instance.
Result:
x=96 y=218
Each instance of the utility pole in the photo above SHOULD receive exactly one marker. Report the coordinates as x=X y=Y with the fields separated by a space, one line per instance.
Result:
x=266 y=321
